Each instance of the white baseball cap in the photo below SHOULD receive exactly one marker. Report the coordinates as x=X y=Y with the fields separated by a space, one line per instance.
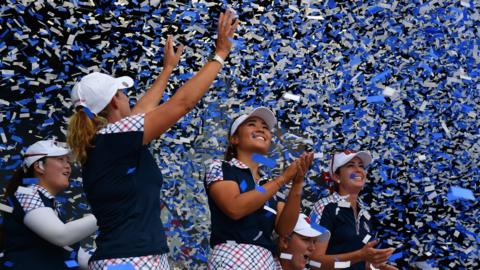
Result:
x=341 y=158
x=262 y=112
x=96 y=90
x=304 y=228
x=41 y=149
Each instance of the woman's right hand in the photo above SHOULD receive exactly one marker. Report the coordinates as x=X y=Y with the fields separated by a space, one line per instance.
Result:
x=305 y=160
x=298 y=167
x=226 y=28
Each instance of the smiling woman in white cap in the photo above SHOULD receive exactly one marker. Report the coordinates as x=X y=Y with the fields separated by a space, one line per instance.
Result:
x=347 y=219
x=296 y=248
x=34 y=234
x=121 y=179
x=243 y=199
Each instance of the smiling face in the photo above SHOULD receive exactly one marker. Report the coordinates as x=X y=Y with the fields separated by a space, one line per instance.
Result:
x=253 y=135
x=300 y=247
x=54 y=173
x=352 y=176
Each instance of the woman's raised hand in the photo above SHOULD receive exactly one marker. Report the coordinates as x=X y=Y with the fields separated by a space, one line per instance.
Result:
x=171 y=57
x=226 y=28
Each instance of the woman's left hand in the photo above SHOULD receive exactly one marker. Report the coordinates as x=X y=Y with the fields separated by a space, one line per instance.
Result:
x=383 y=266
x=171 y=57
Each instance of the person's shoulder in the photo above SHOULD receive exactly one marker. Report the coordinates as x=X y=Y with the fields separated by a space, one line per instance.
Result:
x=214 y=170
x=131 y=123
x=330 y=199
x=29 y=198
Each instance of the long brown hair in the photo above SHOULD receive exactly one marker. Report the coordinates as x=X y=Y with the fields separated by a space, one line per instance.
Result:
x=81 y=132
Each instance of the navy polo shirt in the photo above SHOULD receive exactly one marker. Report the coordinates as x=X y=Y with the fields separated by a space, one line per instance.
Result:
x=255 y=228
x=122 y=183
x=24 y=249
x=347 y=231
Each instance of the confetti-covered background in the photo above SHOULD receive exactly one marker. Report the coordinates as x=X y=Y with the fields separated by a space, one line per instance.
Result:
x=398 y=78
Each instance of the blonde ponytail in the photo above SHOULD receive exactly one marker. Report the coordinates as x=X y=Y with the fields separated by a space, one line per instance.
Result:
x=81 y=132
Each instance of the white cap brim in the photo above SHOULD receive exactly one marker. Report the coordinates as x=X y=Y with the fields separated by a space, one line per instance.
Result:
x=365 y=156
x=308 y=232
x=36 y=153
x=261 y=112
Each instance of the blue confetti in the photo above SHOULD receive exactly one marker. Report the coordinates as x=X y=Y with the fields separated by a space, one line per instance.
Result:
x=460 y=193
x=71 y=263
x=375 y=99
x=260 y=189
x=30 y=181
x=271 y=163
x=131 y=170
x=17 y=139
x=395 y=256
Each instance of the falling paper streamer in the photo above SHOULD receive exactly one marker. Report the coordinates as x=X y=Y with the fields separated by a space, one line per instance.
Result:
x=264 y=160
x=260 y=189
x=71 y=263
x=30 y=181
x=260 y=233
x=131 y=170
x=342 y=265
x=388 y=91
x=455 y=193
x=291 y=97
x=6 y=208
x=269 y=209
x=286 y=256
x=366 y=239
x=315 y=264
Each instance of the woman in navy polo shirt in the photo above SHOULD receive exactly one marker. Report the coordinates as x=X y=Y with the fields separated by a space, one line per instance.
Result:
x=243 y=200
x=347 y=219
x=35 y=237
x=121 y=179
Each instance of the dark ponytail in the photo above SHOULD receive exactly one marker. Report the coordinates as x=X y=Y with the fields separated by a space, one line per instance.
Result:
x=10 y=188
x=231 y=152
x=17 y=180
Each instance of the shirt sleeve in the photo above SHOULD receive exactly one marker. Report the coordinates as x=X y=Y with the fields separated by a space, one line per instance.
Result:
x=214 y=172
x=45 y=223
x=29 y=199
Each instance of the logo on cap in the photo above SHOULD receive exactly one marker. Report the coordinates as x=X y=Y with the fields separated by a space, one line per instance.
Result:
x=307 y=219
x=125 y=84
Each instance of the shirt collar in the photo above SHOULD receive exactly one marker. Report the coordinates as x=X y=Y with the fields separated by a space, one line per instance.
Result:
x=43 y=190
x=337 y=197
x=237 y=163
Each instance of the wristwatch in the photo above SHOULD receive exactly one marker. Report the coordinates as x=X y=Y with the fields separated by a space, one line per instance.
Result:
x=218 y=58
